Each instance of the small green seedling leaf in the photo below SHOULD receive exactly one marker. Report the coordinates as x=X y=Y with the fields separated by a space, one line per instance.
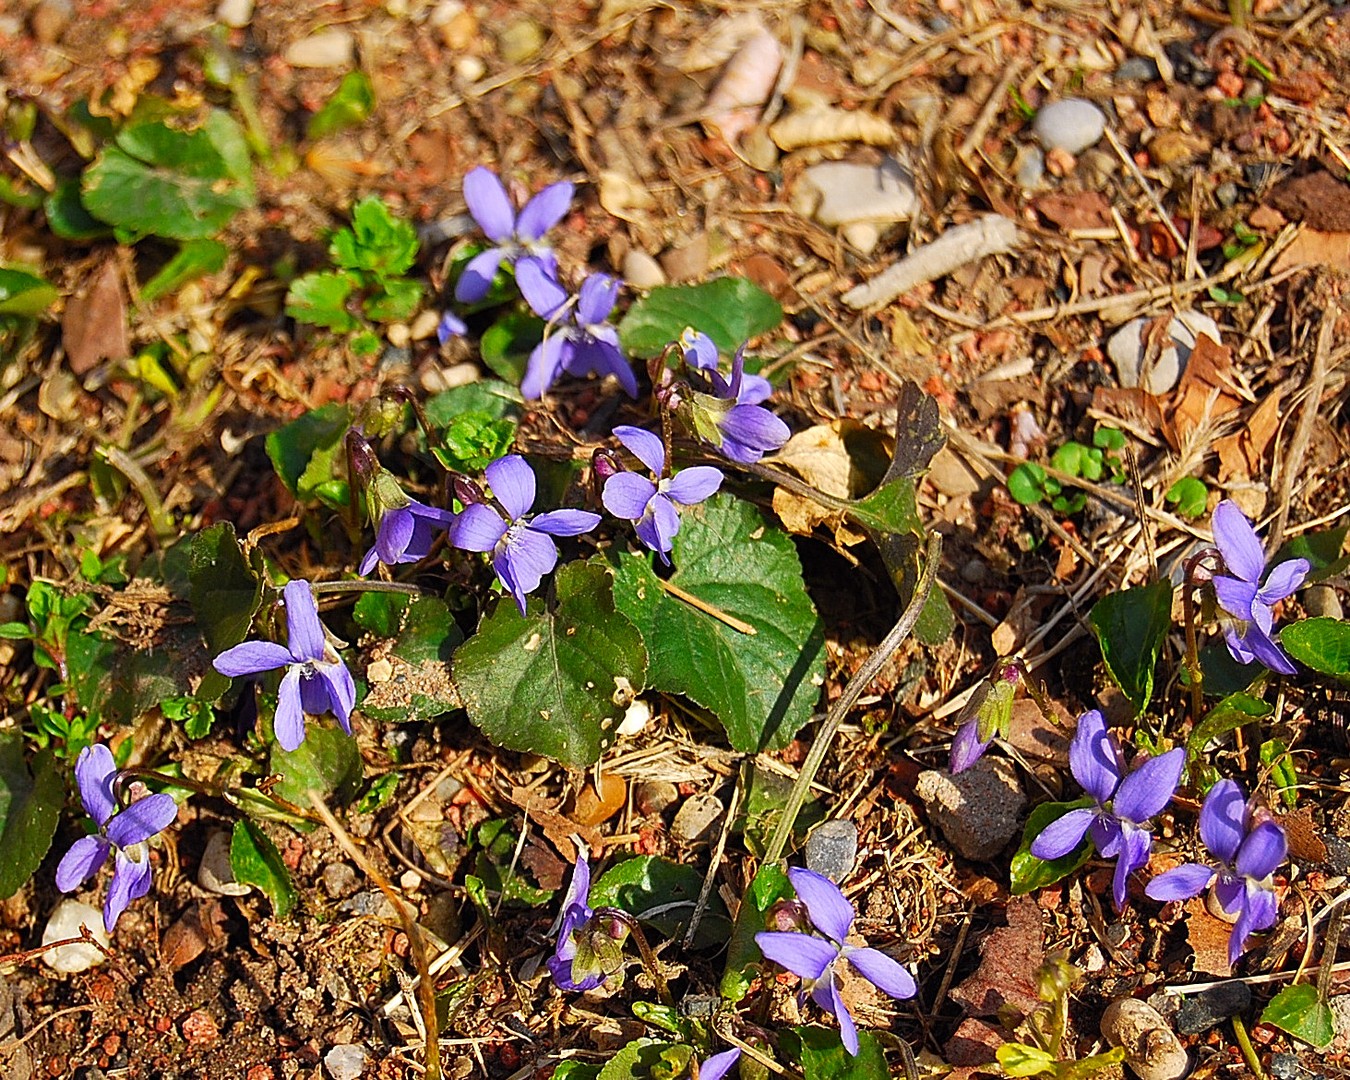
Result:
x=1028 y=873
x=1019 y=1059
x=1189 y=496
x=1300 y=1010
x=321 y=299
x=762 y=687
x=661 y=893
x=196 y=258
x=24 y=294
x=255 y=860
x=648 y=1059
x=506 y=345
x=1074 y=458
x=30 y=806
x=1108 y=438
x=1275 y=755
x=378 y=243
x=67 y=216
x=306 y=449
x=554 y=682
x=349 y=107
x=1131 y=626
x=1321 y=644
x=769 y=886
x=821 y=1055
x=1026 y=483
x=729 y=310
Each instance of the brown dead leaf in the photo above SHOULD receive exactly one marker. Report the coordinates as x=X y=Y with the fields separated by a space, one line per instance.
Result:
x=1037 y=738
x=94 y=326
x=1208 y=937
x=975 y=1042
x=845 y=459
x=1305 y=843
x=1075 y=210
x=1243 y=452
x=1204 y=393
x=1312 y=247
x=556 y=826
x=200 y=927
x=1133 y=405
x=546 y=868
x=1009 y=958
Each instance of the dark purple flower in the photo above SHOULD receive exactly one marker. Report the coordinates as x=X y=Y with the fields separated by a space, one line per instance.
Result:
x=316 y=679
x=576 y=914
x=523 y=550
x=816 y=959
x=580 y=340
x=989 y=713
x=515 y=236
x=405 y=529
x=1117 y=830
x=1247 y=852
x=654 y=505
x=121 y=833
x=729 y=417
x=1241 y=594
x=451 y=325
x=967 y=746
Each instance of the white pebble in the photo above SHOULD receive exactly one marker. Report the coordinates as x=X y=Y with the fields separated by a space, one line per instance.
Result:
x=470 y=68
x=326 y=49
x=1071 y=125
x=345 y=1061
x=215 y=873
x=841 y=193
x=1152 y=1050
x=235 y=13
x=1126 y=349
x=641 y=271
x=65 y=922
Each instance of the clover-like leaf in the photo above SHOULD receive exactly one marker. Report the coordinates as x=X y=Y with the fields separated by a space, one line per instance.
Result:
x=554 y=682
x=762 y=687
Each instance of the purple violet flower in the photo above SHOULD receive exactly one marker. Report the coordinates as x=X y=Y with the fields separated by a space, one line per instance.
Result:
x=582 y=341
x=316 y=679
x=576 y=913
x=815 y=959
x=121 y=833
x=405 y=528
x=717 y=1066
x=1117 y=830
x=451 y=325
x=1241 y=594
x=523 y=550
x=654 y=506
x=967 y=746
x=515 y=236
x=729 y=418
x=1247 y=852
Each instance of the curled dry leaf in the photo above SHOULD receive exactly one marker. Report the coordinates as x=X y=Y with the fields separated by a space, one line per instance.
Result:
x=820 y=126
x=733 y=106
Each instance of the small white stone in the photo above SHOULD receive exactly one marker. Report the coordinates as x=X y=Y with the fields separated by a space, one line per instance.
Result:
x=1126 y=349
x=1152 y=1050
x=443 y=12
x=216 y=873
x=470 y=68
x=635 y=719
x=65 y=922
x=424 y=325
x=398 y=334
x=1071 y=125
x=345 y=1061
x=326 y=49
x=235 y=13
x=841 y=193
x=641 y=271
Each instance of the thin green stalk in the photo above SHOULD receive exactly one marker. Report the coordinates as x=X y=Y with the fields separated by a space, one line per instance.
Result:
x=862 y=678
x=649 y=960
x=1249 y=1054
x=161 y=521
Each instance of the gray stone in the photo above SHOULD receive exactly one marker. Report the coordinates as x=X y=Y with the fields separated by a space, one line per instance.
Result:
x=1137 y=69
x=1152 y=1050
x=345 y=1061
x=978 y=811
x=1126 y=349
x=1200 y=1012
x=215 y=873
x=1226 y=193
x=1071 y=125
x=832 y=849
x=339 y=880
x=654 y=796
x=1322 y=601
x=695 y=818
x=1030 y=167
x=65 y=922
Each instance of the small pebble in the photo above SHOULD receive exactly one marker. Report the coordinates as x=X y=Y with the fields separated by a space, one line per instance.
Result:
x=1226 y=193
x=695 y=818
x=641 y=271
x=1322 y=601
x=832 y=849
x=470 y=68
x=424 y=324
x=235 y=13
x=1137 y=69
x=1030 y=167
x=345 y=1062
x=65 y=922
x=978 y=811
x=1071 y=125
x=654 y=796
x=1152 y=1050
x=1200 y=1012
x=339 y=879
x=839 y=194
x=1126 y=350
x=215 y=873
x=49 y=20
x=326 y=49
x=520 y=41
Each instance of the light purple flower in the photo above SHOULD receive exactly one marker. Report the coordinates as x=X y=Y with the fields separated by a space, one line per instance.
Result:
x=515 y=236
x=700 y=352
x=405 y=528
x=580 y=341
x=1117 y=829
x=967 y=746
x=654 y=505
x=451 y=325
x=717 y=1066
x=316 y=679
x=576 y=913
x=1241 y=594
x=523 y=549
x=729 y=418
x=816 y=960
x=1247 y=853
x=121 y=833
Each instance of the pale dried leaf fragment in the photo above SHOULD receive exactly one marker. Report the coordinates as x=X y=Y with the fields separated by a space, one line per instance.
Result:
x=991 y=234
x=94 y=325
x=823 y=125
x=734 y=105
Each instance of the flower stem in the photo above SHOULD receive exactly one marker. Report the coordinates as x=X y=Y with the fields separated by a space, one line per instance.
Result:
x=1191 y=583
x=321 y=587
x=649 y=960
x=862 y=678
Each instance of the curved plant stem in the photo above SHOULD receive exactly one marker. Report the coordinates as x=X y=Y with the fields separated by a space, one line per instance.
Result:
x=861 y=679
x=321 y=587
x=649 y=960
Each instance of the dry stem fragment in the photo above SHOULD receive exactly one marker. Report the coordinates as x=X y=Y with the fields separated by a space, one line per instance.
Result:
x=988 y=235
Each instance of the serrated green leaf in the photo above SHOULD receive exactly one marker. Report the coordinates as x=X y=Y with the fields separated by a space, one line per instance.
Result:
x=255 y=860
x=419 y=684
x=761 y=687
x=1321 y=644
x=1131 y=626
x=194 y=259
x=506 y=345
x=1029 y=873
x=471 y=442
x=729 y=310
x=770 y=884
x=394 y=300
x=378 y=243
x=350 y=106
x=318 y=433
x=161 y=181
x=320 y=298
x=821 y=1055
x=30 y=806
x=554 y=682
x=327 y=761
x=1299 y=1010
x=661 y=893
x=25 y=294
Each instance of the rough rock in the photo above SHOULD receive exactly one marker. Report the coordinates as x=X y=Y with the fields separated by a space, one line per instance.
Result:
x=1071 y=125
x=65 y=922
x=695 y=818
x=1126 y=349
x=832 y=848
x=1152 y=1050
x=978 y=811
x=345 y=1061
x=1200 y=1012
x=859 y=199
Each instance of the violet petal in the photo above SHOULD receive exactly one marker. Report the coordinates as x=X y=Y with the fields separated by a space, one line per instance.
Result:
x=565 y=522
x=289 y=720
x=1150 y=787
x=142 y=820
x=643 y=445
x=544 y=366
x=1093 y=757
x=544 y=211
x=802 y=954
x=1262 y=851
x=596 y=298
x=1237 y=541
x=252 y=657
x=304 y=632
x=544 y=295
x=1063 y=834
x=130 y=881
x=828 y=908
x=84 y=859
x=489 y=204
x=1180 y=883
x=626 y=494
x=1235 y=596
x=512 y=481
x=475 y=280
x=94 y=772
x=694 y=484
x=478 y=528
x=882 y=971
x=1221 y=820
